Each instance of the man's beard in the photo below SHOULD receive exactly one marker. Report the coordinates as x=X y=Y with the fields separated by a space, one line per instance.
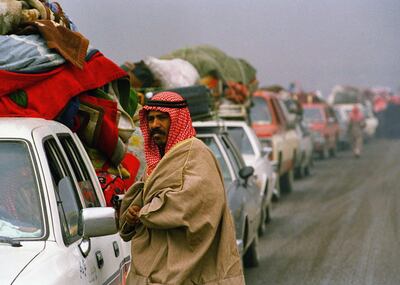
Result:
x=157 y=131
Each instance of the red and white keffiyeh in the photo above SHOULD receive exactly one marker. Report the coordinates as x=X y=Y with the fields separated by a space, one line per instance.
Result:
x=180 y=126
x=356 y=115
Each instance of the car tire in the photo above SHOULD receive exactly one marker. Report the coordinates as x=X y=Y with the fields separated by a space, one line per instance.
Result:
x=324 y=153
x=251 y=257
x=286 y=182
x=332 y=151
x=268 y=216
x=312 y=159
x=298 y=172
x=262 y=228
x=302 y=168
x=307 y=169
x=276 y=193
x=265 y=219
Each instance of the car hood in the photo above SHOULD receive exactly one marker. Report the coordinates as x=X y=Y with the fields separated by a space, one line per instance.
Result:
x=15 y=259
x=264 y=130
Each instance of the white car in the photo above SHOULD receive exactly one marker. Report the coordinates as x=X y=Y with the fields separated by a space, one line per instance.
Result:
x=371 y=122
x=242 y=192
x=54 y=225
x=304 y=159
x=253 y=155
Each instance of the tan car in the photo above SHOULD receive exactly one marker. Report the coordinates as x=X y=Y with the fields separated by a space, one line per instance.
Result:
x=274 y=127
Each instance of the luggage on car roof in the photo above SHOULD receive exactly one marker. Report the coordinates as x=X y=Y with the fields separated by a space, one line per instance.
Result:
x=198 y=98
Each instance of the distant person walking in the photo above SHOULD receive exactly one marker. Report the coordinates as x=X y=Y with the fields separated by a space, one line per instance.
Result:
x=355 y=130
x=178 y=220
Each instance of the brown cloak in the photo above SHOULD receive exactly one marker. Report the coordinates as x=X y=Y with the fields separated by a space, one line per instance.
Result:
x=186 y=234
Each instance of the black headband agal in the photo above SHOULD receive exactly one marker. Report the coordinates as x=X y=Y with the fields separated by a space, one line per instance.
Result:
x=167 y=104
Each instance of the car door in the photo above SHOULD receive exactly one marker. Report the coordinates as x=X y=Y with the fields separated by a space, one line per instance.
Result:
x=252 y=195
x=249 y=151
x=235 y=195
x=85 y=261
x=77 y=268
x=291 y=136
x=332 y=126
x=109 y=251
x=124 y=247
x=286 y=146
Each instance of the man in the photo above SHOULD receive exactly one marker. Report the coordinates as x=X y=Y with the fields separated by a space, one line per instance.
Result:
x=179 y=222
x=355 y=130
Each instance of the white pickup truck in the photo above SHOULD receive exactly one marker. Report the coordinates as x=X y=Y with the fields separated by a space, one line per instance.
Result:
x=54 y=225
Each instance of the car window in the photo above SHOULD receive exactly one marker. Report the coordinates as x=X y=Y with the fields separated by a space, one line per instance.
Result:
x=212 y=144
x=21 y=214
x=236 y=160
x=69 y=206
x=331 y=114
x=239 y=135
x=80 y=171
x=312 y=115
x=278 y=112
x=346 y=97
x=259 y=111
x=284 y=109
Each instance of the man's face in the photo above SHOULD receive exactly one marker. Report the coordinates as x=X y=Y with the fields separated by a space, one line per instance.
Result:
x=158 y=123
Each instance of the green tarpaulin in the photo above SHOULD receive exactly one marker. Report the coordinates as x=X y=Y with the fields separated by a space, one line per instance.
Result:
x=208 y=60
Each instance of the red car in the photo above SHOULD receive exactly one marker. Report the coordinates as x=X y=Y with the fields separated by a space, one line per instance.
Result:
x=321 y=120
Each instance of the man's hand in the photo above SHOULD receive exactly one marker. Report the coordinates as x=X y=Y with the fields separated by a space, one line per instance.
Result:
x=132 y=216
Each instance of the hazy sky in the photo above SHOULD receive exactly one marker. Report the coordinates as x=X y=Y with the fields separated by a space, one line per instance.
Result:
x=318 y=43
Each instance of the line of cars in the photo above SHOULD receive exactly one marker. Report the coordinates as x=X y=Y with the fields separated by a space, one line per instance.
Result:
x=258 y=161
x=261 y=155
x=249 y=179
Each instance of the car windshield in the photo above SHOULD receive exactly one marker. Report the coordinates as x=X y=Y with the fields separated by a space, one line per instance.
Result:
x=211 y=143
x=346 y=97
x=259 y=111
x=312 y=115
x=241 y=140
x=20 y=207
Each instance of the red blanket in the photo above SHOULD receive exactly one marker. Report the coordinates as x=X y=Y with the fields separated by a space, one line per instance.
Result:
x=48 y=93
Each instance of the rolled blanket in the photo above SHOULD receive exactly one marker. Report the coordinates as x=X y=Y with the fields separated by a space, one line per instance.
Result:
x=27 y=54
x=71 y=45
x=13 y=13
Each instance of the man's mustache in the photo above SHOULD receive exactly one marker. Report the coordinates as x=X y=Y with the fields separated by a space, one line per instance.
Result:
x=157 y=131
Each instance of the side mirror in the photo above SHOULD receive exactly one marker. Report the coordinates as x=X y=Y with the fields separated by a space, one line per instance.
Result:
x=246 y=172
x=98 y=221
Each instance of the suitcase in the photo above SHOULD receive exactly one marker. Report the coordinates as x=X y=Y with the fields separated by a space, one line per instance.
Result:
x=198 y=98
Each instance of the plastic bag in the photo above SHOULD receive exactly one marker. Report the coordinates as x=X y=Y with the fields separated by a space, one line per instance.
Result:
x=173 y=73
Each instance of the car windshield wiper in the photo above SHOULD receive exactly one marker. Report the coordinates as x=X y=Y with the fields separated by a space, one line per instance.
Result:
x=11 y=241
